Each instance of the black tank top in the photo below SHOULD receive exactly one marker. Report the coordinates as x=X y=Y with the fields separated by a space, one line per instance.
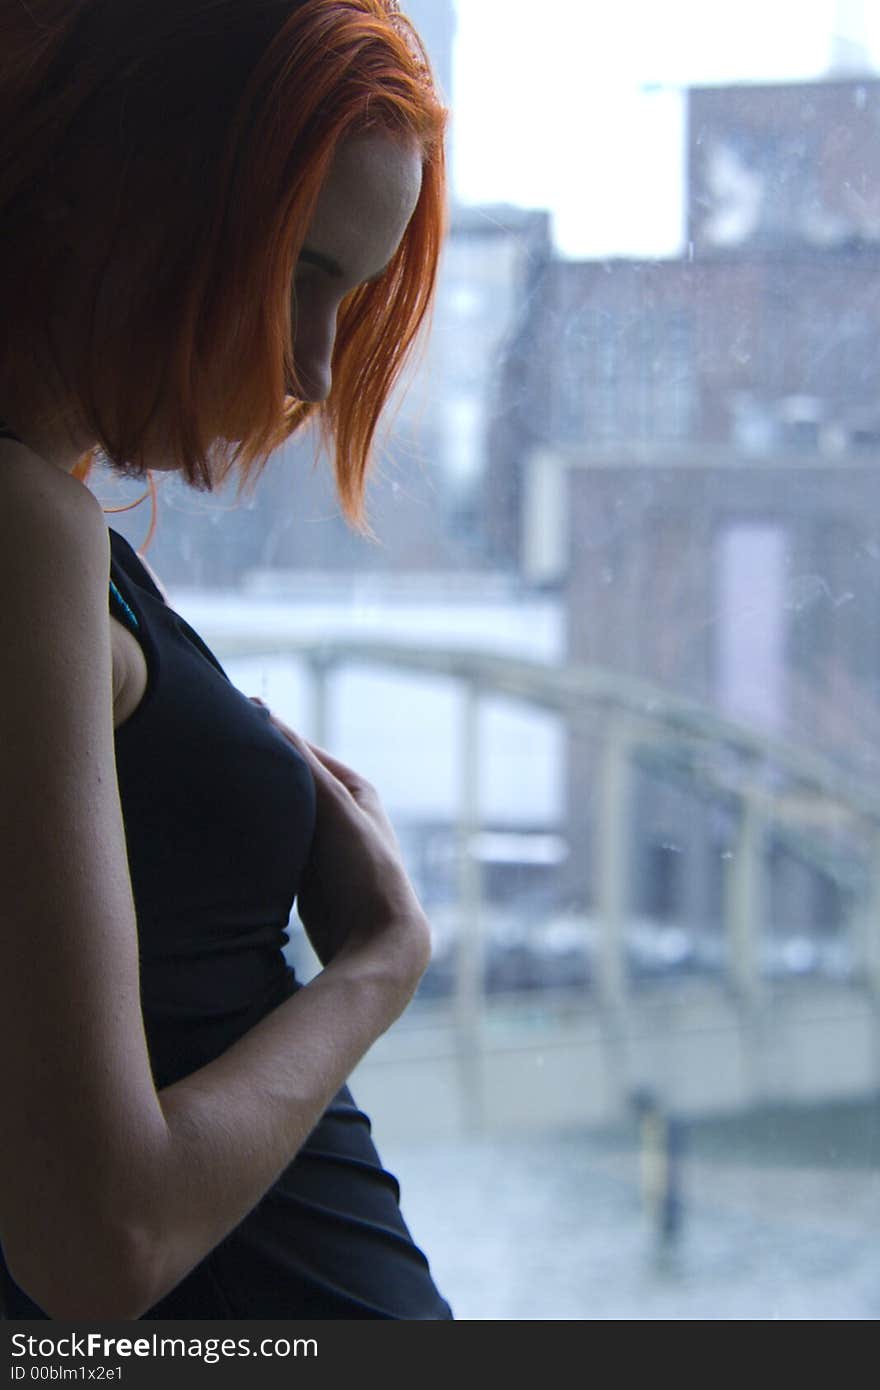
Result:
x=219 y=813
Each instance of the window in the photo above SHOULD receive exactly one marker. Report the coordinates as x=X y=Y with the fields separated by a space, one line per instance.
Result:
x=621 y=692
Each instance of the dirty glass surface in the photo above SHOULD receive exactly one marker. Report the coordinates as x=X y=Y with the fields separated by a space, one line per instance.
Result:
x=614 y=664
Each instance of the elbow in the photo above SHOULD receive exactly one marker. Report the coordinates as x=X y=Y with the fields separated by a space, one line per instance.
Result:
x=109 y=1282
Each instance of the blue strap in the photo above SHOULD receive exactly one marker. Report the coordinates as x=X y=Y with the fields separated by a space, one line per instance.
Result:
x=126 y=608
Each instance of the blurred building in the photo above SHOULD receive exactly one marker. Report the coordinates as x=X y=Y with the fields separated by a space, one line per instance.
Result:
x=697 y=444
x=776 y=168
x=435 y=21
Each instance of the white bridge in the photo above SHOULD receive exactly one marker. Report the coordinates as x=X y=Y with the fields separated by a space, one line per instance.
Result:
x=701 y=1045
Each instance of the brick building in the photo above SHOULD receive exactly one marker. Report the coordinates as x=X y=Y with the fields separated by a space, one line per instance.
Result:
x=698 y=448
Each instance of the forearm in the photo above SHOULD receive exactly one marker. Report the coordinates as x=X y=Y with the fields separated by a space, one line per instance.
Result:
x=235 y=1125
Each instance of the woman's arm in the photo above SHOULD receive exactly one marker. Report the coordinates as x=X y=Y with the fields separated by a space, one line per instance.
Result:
x=234 y=1125
x=109 y=1192
x=79 y=1104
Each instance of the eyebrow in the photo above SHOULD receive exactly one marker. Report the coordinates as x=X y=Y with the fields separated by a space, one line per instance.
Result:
x=313 y=257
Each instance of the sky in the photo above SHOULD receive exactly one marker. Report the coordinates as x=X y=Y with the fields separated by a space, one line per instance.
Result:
x=576 y=105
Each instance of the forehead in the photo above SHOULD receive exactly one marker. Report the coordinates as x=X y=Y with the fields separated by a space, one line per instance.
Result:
x=367 y=200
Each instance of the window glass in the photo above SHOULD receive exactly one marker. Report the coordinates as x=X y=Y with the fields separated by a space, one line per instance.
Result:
x=614 y=663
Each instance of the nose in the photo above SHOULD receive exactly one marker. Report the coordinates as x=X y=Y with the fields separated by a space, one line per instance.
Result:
x=313 y=344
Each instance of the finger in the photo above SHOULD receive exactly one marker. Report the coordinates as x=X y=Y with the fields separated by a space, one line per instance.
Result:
x=325 y=764
x=290 y=734
x=335 y=764
x=359 y=785
x=329 y=771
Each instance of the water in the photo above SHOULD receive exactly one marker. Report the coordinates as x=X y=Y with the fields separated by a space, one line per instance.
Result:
x=779 y=1222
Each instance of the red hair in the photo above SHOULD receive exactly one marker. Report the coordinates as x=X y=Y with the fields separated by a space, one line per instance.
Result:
x=192 y=138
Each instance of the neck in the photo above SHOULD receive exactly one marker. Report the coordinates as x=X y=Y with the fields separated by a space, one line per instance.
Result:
x=46 y=434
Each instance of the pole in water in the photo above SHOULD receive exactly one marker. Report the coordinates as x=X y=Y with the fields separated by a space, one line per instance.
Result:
x=660 y=1153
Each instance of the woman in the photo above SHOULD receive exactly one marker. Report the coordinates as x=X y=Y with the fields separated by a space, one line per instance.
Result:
x=219 y=221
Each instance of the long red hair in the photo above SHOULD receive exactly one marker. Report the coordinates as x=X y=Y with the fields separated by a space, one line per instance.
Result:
x=192 y=138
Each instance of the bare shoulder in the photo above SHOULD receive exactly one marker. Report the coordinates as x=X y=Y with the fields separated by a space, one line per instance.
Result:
x=28 y=481
x=55 y=542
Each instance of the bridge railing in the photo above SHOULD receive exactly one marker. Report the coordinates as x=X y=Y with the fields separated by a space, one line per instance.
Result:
x=798 y=796
x=705 y=1046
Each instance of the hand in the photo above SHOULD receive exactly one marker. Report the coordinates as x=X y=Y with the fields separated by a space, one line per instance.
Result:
x=354 y=893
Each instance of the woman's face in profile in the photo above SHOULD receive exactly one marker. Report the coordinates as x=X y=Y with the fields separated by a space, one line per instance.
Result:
x=363 y=210
x=362 y=213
